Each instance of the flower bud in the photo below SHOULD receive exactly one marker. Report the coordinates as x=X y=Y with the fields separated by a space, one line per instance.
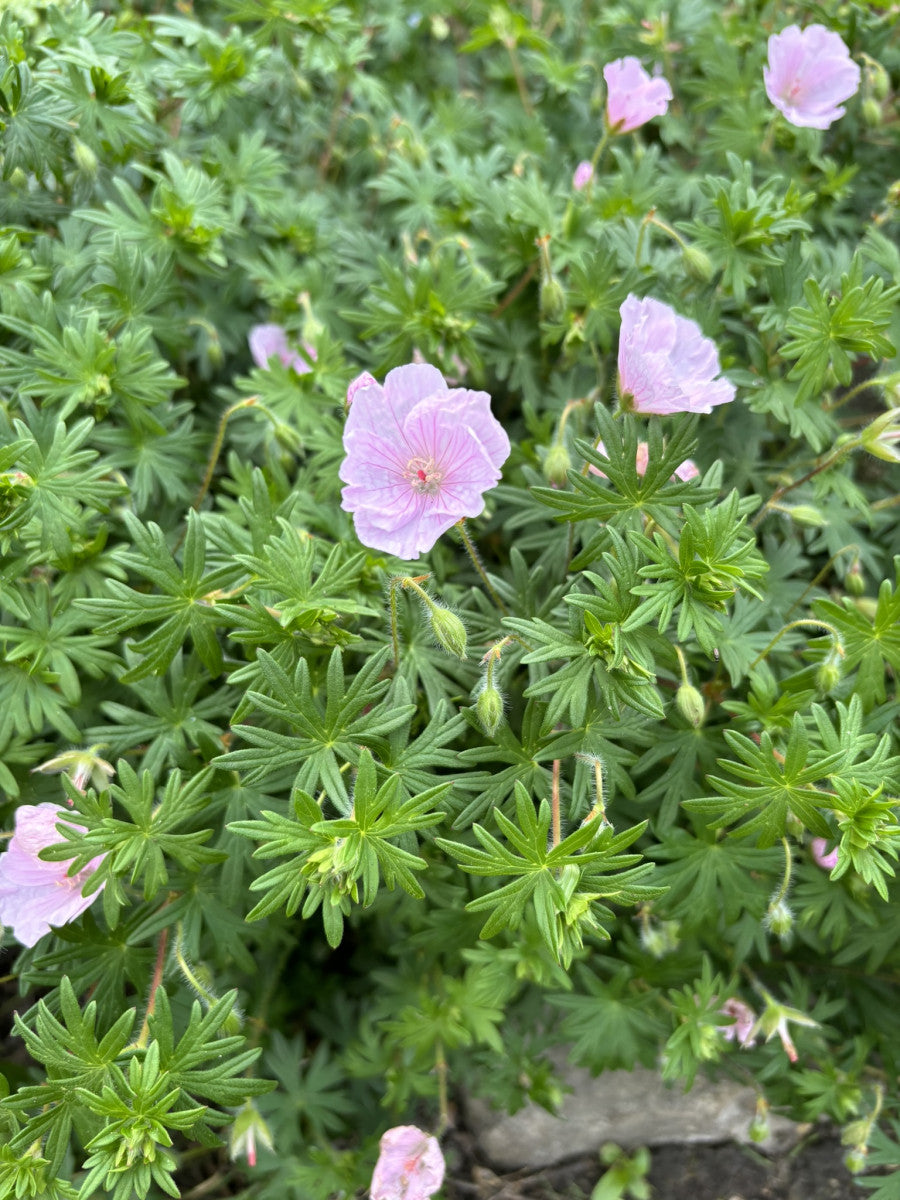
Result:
x=855 y=1159
x=828 y=676
x=489 y=709
x=248 y=1129
x=690 y=704
x=806 y=514
x=698 y=264
x=871 y=112
x=584 y=173
x=878 y=80
x=449 y=631
x=85 y=158
x=552 y=299
x=779 y=918
x=557 y=463
x=759 y=1127
x=854 y=581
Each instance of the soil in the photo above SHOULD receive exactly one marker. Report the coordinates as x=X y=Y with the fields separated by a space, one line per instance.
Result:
x=813 y=1171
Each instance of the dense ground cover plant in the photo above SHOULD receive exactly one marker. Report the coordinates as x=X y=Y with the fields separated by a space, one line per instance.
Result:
x=614 y=762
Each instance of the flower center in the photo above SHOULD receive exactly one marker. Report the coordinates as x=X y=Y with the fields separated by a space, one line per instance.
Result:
x=424 y=475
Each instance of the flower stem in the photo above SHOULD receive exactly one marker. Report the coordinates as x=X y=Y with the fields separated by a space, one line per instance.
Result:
x=155 y=983
x=440 y=1068
x=788 y=867
x=519 y=76
x=554 y=805
x=476 y=562
x=393 y=605
x=793 y=625
x=782 y=491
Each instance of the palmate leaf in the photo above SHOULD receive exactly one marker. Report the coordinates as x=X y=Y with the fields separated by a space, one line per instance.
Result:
x=627 y=494
x=328 y=860
x=321 y=733
x=285 y=569
x=871 y=643
x=561 y=883
x=778 y=785
x=185 y=608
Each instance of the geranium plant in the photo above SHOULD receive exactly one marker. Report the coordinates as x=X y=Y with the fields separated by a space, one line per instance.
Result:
x=449 y=595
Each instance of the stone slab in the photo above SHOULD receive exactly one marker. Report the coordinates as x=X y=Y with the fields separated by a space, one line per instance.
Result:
x=630 y=1108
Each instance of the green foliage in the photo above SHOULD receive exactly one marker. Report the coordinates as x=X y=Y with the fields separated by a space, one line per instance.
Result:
x=332 y=853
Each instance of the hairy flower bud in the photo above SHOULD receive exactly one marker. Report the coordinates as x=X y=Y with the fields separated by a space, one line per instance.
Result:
x=85 y=158
x=806 y=514
x=779 y=918
x=449 y=631
x=698 y=264
x=828 y=676
x=489 y=709
x=557 y=463
x=690 y=704
x=855 y=1159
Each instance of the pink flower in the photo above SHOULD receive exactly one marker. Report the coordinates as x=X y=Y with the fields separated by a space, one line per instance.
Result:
x=584 y=173
x=419 y=457
x=35 y=894
x=632 y=96
x=270 y=341
x=808 y=74
x=741 y=1031
x=666 y=365
x=822 y=856
x=687 y=470
x=410 y=1165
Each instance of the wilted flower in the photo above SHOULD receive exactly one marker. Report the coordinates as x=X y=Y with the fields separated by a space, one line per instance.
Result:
x=270 y=341
x=808 y=75
x=741 y=1031
x=632 y=96
x=822 y=856
x=666 y=365
x=410 y=1165
x=82 y=767
x=248 y=1129
x=419 y=457
x=774 y=1020
x=687 y=470
x=35 y=894
x=584 y=173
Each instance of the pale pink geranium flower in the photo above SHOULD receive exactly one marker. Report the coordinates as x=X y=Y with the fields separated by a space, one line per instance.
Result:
x=687 y=470
x=584 y=173
x=419 y=457
x=822 y=856
x=666 y=365
x=632 y=96
x=410 y=1165
x=742 y=1028
x=808 y=75
x=271 y=341
x=35 y=894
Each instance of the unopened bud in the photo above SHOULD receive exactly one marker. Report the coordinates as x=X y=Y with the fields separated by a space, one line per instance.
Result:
x=440 y=30
x=806 y=514
x=828 y=676
x=489 y=709
x=449 y=631
x=690 y=704
x=698 y=264
x=878 y=79
x=855 y=1159
x=871 y=112
x=759 y=1127
x=867 y=606
x=779 y=918
x=552 y=299
x=85 y=158
x=557 y=463
x=854 y=580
